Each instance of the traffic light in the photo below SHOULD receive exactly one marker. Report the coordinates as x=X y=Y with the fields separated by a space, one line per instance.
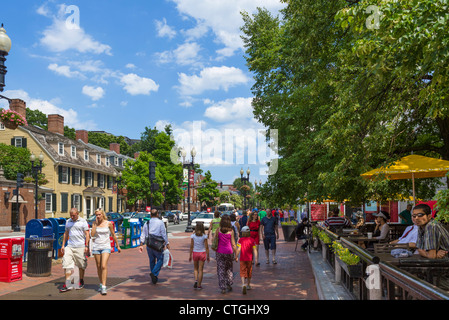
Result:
x=20 y=180
x=152 y=167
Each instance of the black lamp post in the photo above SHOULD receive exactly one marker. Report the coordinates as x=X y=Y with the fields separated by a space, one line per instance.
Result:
x=244 y=180
x=5 y=46
x=35 y=170
x=189 y=166
x=118 y=180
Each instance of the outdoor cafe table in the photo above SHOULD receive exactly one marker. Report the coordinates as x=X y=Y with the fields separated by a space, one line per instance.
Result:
x=430 y=269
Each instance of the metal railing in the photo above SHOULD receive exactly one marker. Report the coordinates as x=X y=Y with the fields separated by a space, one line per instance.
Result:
x=393 y=283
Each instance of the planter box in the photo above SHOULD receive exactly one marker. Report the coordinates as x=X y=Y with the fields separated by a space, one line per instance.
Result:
x=353 y=271
x=289 y=233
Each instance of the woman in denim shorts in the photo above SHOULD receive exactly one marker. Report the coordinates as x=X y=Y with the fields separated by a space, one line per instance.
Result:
x=102 y=230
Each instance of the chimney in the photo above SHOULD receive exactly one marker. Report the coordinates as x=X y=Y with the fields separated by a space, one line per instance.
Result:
x=18 y=106
x=82 y=135
x=56 y=123
x=115 y=147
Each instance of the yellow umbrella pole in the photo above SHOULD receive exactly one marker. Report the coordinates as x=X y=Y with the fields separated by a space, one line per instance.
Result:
x=413 y=183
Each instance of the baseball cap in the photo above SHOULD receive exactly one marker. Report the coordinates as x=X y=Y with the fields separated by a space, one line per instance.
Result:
x=245 y=228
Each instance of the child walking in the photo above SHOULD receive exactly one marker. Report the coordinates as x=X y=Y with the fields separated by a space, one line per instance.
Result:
x=246 y=247
x=199 y=253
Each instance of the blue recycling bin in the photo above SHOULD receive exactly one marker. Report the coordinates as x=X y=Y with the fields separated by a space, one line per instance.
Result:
x=58 y=230
x=37 y=228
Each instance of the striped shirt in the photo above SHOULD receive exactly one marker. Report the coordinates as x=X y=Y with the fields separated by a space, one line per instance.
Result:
x=433 y=237
x=336 y=222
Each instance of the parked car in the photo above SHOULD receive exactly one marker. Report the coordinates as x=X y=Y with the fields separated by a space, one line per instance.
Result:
x=193 y=215
x=142 y=216
x=206 y=218
x=112 y=216
x=170 y=216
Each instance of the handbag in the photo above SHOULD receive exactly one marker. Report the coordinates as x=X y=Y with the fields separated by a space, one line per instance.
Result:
x=155 y=242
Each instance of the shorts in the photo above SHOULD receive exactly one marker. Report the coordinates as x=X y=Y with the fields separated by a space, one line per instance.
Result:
x=100 y=251
x=246 y=269
x=269 y=242
x=74 y=256
x=199 y=256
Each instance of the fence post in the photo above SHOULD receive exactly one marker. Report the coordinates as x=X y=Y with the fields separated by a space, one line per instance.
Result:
x=373 y=282
x=337 y=270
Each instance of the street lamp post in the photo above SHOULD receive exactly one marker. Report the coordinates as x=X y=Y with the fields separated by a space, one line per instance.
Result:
x=5 y=46
x=118 y=180
x=165 y=185
x=244 y=180
x=189 y=166
x=35 y=170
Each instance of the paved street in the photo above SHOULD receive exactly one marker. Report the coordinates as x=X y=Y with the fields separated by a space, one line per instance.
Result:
x=291 y=278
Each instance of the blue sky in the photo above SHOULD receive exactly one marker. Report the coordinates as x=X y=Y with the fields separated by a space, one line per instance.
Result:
x=122 y=66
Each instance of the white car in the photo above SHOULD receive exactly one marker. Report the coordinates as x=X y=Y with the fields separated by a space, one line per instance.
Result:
x=206 y=218
x=183 y=215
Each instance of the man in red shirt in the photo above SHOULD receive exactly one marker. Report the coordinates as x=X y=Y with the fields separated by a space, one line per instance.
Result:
x=246 y=247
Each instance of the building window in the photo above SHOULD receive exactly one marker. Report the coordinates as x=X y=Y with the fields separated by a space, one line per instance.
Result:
x=48 y=202
x=107 y=161
x=2 y=126
x=77 y=201
x=86 y=155
x=64 y=172
x=116 y=161
x=89 y=179
x=73 y=152
x=77 y=176
x=98 y=158
x=60 y=148
x=101 y=180
x=18 y=142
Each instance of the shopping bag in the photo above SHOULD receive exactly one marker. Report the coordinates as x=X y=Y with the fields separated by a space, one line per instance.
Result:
x=168 y=259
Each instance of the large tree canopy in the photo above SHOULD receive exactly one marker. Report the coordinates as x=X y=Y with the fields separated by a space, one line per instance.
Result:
x=347 y=96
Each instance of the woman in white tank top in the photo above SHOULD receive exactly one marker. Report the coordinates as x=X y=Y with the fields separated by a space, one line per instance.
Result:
x=102 y=230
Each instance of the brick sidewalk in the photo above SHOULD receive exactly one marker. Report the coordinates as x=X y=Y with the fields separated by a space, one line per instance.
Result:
x=290 y=279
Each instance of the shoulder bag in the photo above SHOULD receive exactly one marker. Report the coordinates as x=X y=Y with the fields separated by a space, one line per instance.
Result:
x=155 y=242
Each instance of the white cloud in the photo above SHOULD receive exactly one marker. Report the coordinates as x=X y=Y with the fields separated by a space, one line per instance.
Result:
x=186 y=54
x=236 y=109
x=94 y=93
x=134 y=85
x=71 y=117
x=214 y=78
x=223 y=18
x=60 y=37
x=65 y=71
x=164 y=30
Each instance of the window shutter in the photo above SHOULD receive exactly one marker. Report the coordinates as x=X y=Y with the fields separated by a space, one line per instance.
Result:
x=64 y=202
x=81 y=203
x=53 y=202
x=60 y=174
x=13 y=142
x=73 y=176
x=68 y=175
x=85 y=177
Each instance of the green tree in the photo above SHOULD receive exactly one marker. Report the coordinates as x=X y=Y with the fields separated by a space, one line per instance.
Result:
x=207 y=190
x=346 y=98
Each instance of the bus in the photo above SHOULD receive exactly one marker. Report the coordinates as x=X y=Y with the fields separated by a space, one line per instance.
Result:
x=225 y=207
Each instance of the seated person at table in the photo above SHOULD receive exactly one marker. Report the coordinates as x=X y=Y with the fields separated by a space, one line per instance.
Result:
x=433 y=238
x=410 y=236
x=382 y=229
x=334 y=222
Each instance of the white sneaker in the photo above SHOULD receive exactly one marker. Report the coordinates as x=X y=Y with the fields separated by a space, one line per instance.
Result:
x=103 y=290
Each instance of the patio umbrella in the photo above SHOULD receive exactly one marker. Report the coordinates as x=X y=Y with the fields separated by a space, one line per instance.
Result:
x=411 y=167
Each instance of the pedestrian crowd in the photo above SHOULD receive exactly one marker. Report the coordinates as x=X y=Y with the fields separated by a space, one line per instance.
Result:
x=232 y=239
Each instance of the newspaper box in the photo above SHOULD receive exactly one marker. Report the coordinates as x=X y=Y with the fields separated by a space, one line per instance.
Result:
x=11 y=253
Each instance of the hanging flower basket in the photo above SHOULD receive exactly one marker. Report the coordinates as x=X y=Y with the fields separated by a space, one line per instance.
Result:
x=12 y=119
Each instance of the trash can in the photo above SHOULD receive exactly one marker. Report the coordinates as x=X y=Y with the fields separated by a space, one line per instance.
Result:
x=40 y=254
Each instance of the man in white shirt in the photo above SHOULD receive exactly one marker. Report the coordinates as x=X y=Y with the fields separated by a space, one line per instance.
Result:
x=77 y=234
x=154 y=227
x=410 y=236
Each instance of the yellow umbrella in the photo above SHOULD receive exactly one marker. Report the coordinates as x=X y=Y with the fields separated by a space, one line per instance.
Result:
x=411 y=167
